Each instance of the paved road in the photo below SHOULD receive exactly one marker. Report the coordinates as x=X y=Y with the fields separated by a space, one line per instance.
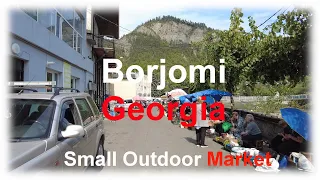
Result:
x=146 y=136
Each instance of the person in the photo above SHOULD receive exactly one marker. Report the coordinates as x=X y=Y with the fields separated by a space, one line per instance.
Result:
x=218 y=124
x=287 y=142
x=252 y=132
x=276 y=141
x=201 y=125
x=237 y=124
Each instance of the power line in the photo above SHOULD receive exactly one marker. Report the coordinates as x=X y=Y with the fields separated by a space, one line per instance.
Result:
x=109 y=20
x=182 y=45
x=112 y=22
x=270 y=17
x=281 y=13
x=162 y=46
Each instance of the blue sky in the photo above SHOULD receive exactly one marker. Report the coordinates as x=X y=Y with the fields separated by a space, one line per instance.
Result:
x=214 y=18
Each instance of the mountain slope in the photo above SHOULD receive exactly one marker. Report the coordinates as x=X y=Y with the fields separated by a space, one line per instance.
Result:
x=167 y=38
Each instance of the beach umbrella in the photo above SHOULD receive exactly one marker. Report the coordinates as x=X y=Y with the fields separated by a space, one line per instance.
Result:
x=298 y=120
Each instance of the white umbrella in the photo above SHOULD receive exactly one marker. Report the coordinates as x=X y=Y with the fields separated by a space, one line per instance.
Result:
x=176 y=93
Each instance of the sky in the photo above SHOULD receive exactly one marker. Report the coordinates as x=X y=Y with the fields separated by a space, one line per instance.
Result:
x=217 y=18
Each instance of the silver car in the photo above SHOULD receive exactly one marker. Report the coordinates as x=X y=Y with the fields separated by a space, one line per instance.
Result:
x=45 y=126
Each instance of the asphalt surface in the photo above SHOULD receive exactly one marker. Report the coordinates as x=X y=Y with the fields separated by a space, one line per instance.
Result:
x=146 y=136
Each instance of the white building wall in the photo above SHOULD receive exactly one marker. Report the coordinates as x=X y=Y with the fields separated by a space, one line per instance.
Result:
x=128 y=90
x=124 y=89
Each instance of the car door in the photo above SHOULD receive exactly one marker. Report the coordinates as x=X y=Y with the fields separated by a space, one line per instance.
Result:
x=70 y=113
x=98 y=118
x=89 y=124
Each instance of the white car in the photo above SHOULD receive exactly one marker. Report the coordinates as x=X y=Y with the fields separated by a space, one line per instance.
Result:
x=126 y=104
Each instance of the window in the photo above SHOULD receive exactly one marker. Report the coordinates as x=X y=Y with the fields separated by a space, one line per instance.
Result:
x=48 y=19
x=85 y=111
x=58 y=26
x=69 y=115
x=17 y=69
x=78 y=23
x=128 y=101
x=31 y=118
x=67 y=24
x=32 y=13
x=93 y=105
x=52 y=76
x=67 y=33
x=79 y=43
x=67 y=14
x=70 y=28
x=74 y=83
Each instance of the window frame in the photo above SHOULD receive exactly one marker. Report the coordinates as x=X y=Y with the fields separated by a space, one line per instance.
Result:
x=54 y=74
x=59 y=17
x=25 y=11
x=74 y=81
x=75 y=33
x=76 y=119
x=91 y=117
x=70 y=101
x=92 y=108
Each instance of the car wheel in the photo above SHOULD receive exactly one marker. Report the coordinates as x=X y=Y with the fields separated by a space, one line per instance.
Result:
x=100 y=149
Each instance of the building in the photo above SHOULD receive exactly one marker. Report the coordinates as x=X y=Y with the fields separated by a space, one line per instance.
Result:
x=63 y=45
x=50 y=45
x=144 y=88
x=128 y=90
x=123 y=89
x=102 y=30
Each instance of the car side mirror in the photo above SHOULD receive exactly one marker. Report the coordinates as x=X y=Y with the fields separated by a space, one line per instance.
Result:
x=73 y=131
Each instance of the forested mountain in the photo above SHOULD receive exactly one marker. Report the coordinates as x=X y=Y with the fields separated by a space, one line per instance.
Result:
x=258 y=62
x=164 y=37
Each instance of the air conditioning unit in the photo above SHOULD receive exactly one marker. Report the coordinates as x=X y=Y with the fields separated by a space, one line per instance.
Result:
x=92 y=86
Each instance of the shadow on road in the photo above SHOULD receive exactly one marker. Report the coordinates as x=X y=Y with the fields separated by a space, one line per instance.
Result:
x=191 y=140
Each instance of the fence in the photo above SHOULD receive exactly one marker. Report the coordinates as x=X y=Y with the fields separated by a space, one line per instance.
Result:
x=265 y=98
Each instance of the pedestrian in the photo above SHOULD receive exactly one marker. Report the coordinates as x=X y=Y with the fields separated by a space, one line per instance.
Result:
x=252 y=132
x=237 y=124
x=201 y=125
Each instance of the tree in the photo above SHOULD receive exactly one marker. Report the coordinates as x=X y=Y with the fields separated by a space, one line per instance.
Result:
x=281 y=53
x=276 y=55
x=230 y=45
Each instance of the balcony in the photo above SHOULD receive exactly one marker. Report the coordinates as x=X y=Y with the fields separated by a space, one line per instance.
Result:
x=103 y=47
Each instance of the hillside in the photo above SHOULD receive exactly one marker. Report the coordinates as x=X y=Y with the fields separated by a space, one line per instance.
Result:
x=167 y=37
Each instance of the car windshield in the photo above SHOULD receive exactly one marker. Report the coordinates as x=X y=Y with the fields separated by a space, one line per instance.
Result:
x=128 y=101
x=31 y=118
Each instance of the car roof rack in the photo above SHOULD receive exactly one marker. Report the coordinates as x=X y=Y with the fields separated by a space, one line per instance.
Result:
x=58 y=89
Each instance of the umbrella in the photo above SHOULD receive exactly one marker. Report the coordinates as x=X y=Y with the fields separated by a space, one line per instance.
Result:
x=176 y=93
x=138 y=98
x=211 y=95
x=183 y=99
x=297 y=120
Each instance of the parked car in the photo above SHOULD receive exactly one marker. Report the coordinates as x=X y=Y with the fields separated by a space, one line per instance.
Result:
x=143 y=103
x=149 y=102
x=44 y=126
x=126 y=104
